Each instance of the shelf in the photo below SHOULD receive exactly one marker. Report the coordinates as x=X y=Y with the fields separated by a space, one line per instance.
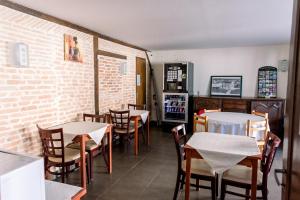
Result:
x=175 y=112
x=175 y=106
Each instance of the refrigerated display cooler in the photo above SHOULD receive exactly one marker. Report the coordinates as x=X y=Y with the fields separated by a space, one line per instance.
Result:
x=175 y=107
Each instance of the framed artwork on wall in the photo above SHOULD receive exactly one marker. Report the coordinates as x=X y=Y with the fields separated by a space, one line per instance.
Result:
x=230 y=86
x=72 y=49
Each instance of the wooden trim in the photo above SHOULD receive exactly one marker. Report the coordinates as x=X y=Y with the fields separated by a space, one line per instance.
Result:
x=62 y=22
x=79 y=194
x=96 y=74
x=291 y=126
x=110 y=54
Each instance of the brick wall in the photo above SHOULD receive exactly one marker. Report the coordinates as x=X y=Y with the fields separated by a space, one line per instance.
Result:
x=115 y=88
x=50 y=91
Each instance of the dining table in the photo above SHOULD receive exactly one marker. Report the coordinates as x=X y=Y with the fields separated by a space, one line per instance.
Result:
x=61 y=191
x=222 y=152
x=233 y=123
x=82 y=131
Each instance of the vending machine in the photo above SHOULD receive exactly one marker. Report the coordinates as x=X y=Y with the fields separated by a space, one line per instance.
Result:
x=177 y=92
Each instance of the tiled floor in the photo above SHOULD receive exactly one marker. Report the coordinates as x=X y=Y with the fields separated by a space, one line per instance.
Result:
x=151 y=175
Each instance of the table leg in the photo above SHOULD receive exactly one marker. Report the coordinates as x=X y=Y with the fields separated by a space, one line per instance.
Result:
x=82 y=161
x=136 y=136
x=187 y=174
x=109 y=153
x=148 y=130
x=254 y=179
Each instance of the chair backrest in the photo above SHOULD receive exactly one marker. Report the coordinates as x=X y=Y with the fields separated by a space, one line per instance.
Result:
x=136 y=107
x=215 y=110
x=120 y=119
x=257 y=127
x=202 y=121
x=272 y=142
x=52 y=142
x=94 y=118
x=180 y=139
x=261 y=114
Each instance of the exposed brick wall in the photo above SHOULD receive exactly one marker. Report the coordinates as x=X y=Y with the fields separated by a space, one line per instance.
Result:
x=50 y=91
x=116 y=89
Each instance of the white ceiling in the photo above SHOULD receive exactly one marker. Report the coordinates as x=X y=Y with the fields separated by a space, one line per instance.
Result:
x=178 y=24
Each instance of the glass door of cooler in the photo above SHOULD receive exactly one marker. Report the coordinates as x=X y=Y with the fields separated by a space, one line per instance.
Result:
x=175 y=107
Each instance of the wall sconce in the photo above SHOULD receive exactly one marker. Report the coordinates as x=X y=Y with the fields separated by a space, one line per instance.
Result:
x=123 y=68
x=19 y=55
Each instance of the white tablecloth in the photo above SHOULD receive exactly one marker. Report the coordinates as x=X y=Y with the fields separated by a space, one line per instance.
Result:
x=222 y=151
x=60 y=191
x=230 y=123
x=95 y=130
x=143 y=113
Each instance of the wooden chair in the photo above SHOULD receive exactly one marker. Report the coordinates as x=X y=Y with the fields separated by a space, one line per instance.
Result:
x=261 y=114
x=256 y=127
x=200 y=170
x=136 y=107
x=56 y=155
x=240 y=176
x=214 y=110
x=202 y=121
x=91 y=147
x=121 y=124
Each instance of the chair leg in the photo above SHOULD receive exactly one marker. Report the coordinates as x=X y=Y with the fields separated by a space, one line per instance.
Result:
x=247 y=194
x=264 y=193
x=63 y=174
x=178 y=185
x=143 y=134
x=213 y=189
x=223 y=190
x=197 y=184
x=68 y=171
x=103 y=151
x=182 y=181
x=91 y=158
x=88 y=169
x=217 y=185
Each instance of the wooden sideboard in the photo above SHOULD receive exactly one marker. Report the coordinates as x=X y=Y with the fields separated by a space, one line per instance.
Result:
x=275 y=108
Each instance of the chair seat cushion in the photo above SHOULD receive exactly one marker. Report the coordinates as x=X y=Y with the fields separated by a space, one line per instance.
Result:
x=70 y=155
x=199 y=167
x=242 y=174
x=89 y=145
x=124 y=131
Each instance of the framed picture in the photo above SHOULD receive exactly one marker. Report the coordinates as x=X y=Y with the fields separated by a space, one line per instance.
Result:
x=72 y=49
x=230 y=86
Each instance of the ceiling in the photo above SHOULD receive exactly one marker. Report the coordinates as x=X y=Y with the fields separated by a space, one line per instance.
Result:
x=178 y=24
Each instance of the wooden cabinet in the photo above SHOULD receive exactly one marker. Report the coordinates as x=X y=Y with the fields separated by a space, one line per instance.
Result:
x=234 y=106
x=275 y=108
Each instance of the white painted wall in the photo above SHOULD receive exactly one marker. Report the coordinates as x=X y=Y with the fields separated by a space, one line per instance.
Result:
x=243 y=61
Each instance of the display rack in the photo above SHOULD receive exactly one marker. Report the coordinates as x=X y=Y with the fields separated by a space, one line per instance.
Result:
x=267 y=82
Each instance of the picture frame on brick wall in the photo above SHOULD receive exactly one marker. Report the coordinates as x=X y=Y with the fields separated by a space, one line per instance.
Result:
x=72 y=51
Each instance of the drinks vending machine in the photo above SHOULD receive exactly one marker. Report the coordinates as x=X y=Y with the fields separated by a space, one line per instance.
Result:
x=177 y=92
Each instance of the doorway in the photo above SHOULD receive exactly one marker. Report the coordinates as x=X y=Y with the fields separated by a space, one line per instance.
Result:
x=140 y=81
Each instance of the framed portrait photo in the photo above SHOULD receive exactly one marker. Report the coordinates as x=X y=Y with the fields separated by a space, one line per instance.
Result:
x=230 y=86
x=72 y=49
